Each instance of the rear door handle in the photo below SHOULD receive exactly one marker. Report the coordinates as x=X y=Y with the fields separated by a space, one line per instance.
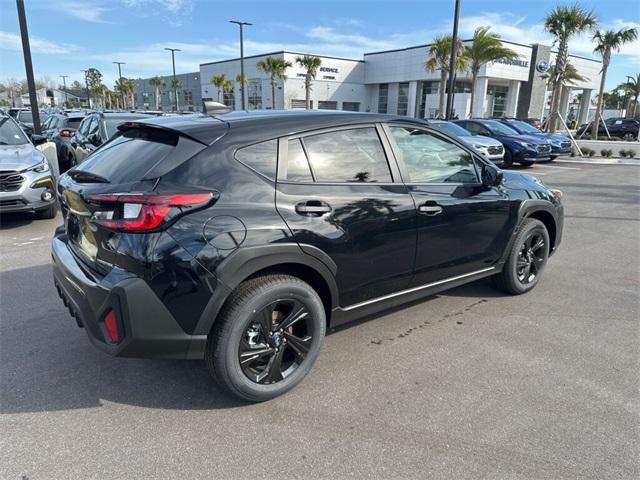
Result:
x=430 y=209
x=313 y=208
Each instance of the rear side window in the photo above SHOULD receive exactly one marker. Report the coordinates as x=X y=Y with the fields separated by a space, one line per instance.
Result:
x=353 y=155
x=131 y=155
x=261 y=157
x=297 y=163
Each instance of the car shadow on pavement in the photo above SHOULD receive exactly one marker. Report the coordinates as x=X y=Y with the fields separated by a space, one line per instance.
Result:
x=9 y=221
x=48 y=364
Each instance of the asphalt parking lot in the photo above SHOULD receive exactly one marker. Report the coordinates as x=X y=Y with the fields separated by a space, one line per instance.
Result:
x=468 y=384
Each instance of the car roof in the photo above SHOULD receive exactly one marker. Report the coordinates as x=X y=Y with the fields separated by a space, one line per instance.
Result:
x=267 y=123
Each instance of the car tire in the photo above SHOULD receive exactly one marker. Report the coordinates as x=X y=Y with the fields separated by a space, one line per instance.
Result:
x=518 y=275
x=525 y=163
x=257 y=306
x=507 y=161
x=48 y=213
x=552 y=158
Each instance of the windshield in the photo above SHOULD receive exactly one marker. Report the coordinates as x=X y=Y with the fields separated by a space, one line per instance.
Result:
x=25 y=117
x=497 y=127
x=523 y=127
x=10 y=133
x=452 y=128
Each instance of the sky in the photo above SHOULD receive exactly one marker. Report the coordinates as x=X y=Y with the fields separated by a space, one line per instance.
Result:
x=68 y=36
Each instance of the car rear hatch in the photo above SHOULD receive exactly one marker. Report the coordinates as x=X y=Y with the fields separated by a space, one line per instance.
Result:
x=109 y=202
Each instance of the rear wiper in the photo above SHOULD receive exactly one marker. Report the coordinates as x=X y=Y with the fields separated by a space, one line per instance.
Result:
x=82 y=176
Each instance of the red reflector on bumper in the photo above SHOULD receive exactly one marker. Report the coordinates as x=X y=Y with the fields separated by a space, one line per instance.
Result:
x=111 y=325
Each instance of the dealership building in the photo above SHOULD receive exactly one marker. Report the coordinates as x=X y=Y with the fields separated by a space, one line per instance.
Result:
x=397 y=82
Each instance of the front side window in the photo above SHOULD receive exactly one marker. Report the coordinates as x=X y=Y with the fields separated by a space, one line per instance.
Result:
x=261 y=157
x=353 y=155
x=431 y=159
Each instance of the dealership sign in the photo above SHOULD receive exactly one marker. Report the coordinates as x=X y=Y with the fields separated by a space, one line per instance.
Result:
x=542 y=66
x=329 y=70
x=516 y=62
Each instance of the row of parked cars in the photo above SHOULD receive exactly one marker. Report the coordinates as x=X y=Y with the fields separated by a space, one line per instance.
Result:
x=27 y=177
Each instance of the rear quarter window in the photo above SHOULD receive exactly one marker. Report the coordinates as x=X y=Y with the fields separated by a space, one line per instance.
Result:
x=261 y=157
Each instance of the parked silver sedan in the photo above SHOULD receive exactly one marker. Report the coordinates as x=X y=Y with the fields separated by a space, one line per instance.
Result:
x=488 y=147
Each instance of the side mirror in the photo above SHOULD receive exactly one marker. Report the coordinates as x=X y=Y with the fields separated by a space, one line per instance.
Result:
x=38 y=139
x=492 y=176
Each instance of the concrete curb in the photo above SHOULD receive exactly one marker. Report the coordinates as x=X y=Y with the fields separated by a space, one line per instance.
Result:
x=599 y=161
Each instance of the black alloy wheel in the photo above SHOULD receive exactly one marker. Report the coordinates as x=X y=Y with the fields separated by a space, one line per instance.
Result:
x=530 y=260
x=267 y=337
x=526 y=260
x=276 y=341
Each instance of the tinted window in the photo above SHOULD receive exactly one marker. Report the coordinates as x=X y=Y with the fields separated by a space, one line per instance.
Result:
x=84 y=126
x=93 y=126
x=261 y=157
x=354 y=155
x=128 y=157
x=431 y=159
x=25 y=117
x=74 y=122
x=474 y=128
x=297 y=164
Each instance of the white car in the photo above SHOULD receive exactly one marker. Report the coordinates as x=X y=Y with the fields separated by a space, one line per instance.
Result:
x=488 y=147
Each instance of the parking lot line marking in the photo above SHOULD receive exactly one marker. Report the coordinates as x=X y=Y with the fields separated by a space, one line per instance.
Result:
x=560 y=168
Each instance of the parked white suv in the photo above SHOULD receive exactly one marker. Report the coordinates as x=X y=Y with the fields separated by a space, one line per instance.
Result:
x=489 y=147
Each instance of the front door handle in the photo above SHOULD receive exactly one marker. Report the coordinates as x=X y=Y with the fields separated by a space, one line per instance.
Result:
x=313 y=208
x=430 y=208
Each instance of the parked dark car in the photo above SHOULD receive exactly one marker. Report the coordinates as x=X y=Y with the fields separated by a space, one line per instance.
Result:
x=59 y=128
x=96 y=129
x=522 y=149
x=560 y=144
x=240 y=238
x=624 y=128
x=24 y=117
x=26 y=180
x=534 y=122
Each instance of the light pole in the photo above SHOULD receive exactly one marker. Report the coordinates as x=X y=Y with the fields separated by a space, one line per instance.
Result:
x=64 y=83
x=173 y=63
x=452 y=61
x=120 y=79
x=242 y=84
x=26 y=50
x=86 y=86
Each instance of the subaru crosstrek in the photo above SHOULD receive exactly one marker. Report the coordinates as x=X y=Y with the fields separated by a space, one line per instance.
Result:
x=560 y=144
x=240 y=238
x=522 y=149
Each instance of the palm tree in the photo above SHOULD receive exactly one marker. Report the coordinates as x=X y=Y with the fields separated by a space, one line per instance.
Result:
x=227 y=86
x=439 y=55
x=632 y=88
x=276 y=68
x=175 y=86
x=570 y=77
x=218 y=82
x=122 y=87
x=131 y=90
x=563 y=22
x=605 y=43
x=157 y=83
x=485 y=47
x=311 y=65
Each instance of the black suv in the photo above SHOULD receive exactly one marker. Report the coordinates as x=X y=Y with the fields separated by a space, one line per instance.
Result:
x=624 y=128
x=240 y=238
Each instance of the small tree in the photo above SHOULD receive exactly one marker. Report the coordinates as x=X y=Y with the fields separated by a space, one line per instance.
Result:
x=311 y=64
x=485 y=47
x=439 y=56
x=157 y=83
x=227 y=87
x=276 y=68
x=632 y=89
x=564 y=22
x=605 y=43
x=218 y=82
x=175 y=86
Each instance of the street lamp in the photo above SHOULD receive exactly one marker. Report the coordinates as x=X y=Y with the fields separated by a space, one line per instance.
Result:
x=242 y=84
x=452 y=61
x=120 y=79
x=173 y=63
x=86 y=86
x=64 y=82
x=28 y=65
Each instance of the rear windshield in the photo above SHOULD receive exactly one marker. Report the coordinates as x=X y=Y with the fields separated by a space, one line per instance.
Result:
x=129 y=156
x=25 y=117
x=74 y=122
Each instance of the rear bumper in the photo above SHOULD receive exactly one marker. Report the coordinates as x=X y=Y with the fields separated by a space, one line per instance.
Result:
x=148 y=329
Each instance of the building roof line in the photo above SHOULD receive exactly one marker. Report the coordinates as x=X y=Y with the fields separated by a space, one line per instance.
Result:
x=278 y=52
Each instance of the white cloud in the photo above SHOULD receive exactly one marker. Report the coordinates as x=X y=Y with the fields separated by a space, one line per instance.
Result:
x=82 y=11
x=173 y=12
x=11 y=41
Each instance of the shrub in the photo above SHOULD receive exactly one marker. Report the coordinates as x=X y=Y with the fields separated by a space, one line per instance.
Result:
x=631 y=153
x=603 y=152
x=591 y=153
x=623 y=153
x=573 y=153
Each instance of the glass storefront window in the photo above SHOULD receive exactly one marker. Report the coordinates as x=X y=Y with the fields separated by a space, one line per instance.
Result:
x=499 y=99
x=383 y=97
x=403 y=98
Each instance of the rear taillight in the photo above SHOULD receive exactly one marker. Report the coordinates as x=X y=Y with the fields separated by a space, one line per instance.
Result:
x=66 y=132
x=145 y=212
